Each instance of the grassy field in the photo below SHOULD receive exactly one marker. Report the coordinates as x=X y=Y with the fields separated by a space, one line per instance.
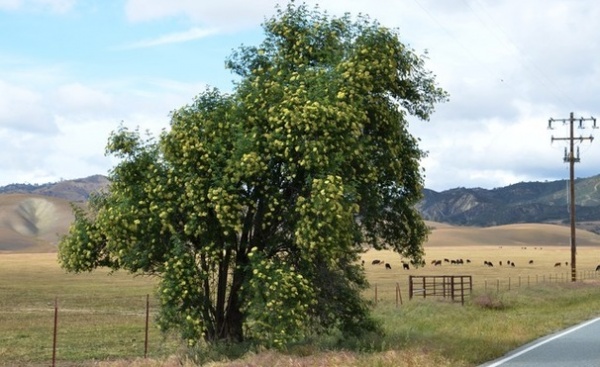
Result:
x=503 y=277
x=102 y=316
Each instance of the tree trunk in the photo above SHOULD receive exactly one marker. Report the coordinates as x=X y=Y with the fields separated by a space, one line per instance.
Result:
x=222 y=292
x=234 y=318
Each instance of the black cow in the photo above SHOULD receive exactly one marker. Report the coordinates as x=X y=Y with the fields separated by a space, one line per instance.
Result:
x=388 y=266
x=405 y=266
x=598 y=268
x=530 y=261
x=376 y=262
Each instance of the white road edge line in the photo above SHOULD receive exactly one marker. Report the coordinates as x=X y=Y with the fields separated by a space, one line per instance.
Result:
x=512 y=356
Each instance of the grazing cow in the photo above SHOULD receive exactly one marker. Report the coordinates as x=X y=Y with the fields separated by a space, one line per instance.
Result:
x=438 y=262
x=388 y=266
x=488 y=263
x=446 y=260
x=530 y=262
x=433 y=262
x=566 y=263
x=598 y=268
x=500 y=263
x=468 y=261
x=512 y=264
x=405 y=266
x=376 y=262
x=557 y=265
x=362 y=263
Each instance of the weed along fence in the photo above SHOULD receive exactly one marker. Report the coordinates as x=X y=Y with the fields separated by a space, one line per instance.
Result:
x=454 y=287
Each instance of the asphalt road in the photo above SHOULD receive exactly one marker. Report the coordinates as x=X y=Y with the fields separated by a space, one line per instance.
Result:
x=578 y=346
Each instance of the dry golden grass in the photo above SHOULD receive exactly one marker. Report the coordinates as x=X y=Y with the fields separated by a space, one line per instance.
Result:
x=484 y=277
x=543 y=244
x=525 y=234
x=409 y=357
x=30 y=283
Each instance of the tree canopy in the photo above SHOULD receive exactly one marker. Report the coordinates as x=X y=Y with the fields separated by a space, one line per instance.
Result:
x=254 y=207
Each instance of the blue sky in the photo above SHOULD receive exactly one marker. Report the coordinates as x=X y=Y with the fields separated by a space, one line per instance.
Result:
x=72 y=70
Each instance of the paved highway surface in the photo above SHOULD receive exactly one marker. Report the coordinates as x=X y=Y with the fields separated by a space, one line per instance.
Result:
x=578 y=346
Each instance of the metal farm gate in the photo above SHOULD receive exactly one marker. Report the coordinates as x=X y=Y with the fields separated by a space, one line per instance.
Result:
x=455 y=287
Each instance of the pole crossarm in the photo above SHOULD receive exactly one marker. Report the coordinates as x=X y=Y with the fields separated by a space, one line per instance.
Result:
x=571 y=158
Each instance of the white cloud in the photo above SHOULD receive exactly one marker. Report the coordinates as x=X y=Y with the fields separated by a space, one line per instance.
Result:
x=55 y=6
x=178 y=37
x=22 y=109
x=236 y=14
x=9 y=4
x=509 y=66
x=76 y=97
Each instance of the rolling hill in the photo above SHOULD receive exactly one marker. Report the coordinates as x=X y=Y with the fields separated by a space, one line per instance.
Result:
x=33 y=218
x=32 y=223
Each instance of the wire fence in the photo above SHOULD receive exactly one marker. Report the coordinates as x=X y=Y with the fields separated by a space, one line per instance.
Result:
x=399 y=291
x=68 y=329
x=72 y=330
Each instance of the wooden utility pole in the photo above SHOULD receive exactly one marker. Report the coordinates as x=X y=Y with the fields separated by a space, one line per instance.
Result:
x=571 y=158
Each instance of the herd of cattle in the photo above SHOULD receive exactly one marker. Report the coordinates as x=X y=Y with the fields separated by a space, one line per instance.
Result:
x=406 y=266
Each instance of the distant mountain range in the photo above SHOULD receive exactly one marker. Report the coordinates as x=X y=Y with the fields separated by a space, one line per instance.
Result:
x=525 y=202
x=71 y=190
x=34 y=217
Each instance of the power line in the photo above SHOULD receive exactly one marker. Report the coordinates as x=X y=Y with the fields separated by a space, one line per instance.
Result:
x=528 y=65
x=571 y=158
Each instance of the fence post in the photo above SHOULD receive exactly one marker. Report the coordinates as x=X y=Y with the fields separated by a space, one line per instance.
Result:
x=410 y=287
x=55 y=331
x=398 y=294
x=146 y=333
x=375 y=294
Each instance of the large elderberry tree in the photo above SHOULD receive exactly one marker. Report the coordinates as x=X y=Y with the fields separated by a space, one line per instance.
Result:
x=254 y=207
